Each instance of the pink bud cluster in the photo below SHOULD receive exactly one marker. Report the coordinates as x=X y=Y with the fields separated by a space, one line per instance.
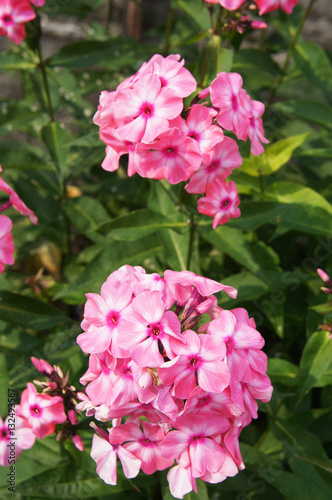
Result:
x=161 y=349
x=264 y=6
x=6 y=238
x=41 y=412
x=14 y=14
x=145 y=117
x=326 y=278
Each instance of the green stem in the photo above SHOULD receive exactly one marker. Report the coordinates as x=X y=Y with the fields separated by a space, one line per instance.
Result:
x=191 y=239
x=261 y=183
x=295 y=37
x=168 y=30
x=46 y=86
x=108 y=17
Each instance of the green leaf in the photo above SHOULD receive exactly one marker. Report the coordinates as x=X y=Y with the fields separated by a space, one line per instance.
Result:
x=282 y=371
x=256 y=213
x=111 y=258
x=316 y=358
x=325 y=308
x=13 y=61
x=86 y=213
x=274 y=157
x=290 y=192
x=314 y=63
x=139 y=223
x=43 y=456
x=311 y=111
x=196 y=13
x=29 y=312
x=4 y=396
x=113 y=53
x=54 y=137
x=307 y=219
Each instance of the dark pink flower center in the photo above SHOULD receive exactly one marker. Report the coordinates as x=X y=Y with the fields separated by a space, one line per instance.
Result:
x=36 y=410
x=194 y=135
x=225 y=203
x=203 y=402
x=196 y=438
x=229 y=342
x=155 y=331
x=163 y=81
x=146 y=109
x=4 y=433
x=112 y=319
x=7 y=19
x=195 y=360
x=235 y=104
x=171 y=151
x=213 y=166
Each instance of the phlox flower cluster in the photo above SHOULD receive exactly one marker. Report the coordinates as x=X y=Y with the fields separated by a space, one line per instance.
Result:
x=162 y=350
x=56 y=404
x=145 y=117
x=13 y=16
x=264 y=6
x=6 y=238
x=38 y=414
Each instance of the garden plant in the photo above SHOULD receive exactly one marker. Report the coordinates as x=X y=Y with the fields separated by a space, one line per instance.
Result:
x=165 y=251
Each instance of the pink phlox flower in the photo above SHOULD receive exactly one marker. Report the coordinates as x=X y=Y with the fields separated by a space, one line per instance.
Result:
x=41 y=412
x=193 y=445
x=228 y=469
x=105 y=453
x=255 y=385
x=172 y=74
x=221 y=202
x=201 y=401
x=239 y=338
x=228 y=4
x=198 y=126
x=101 y=378
x=266 y=6
x=199 y=357
x=228 y=96
x=24 y=438
x=127 y=387
x=102 y=316
x=147 y=106
x=111 y=161
x=181 y=481
x=13 y=15
x=223 y=159
x=231 y=438
x=6 y=243
x=255 y=131
x=42 y=366
x=172 y=156
x=16 y=201
x=154 y=282
x=144 y=444
x=182 y=283
x=148 y=329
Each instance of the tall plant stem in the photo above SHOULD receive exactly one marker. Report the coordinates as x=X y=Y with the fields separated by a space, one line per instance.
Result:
x=295 y=37
x=191 y=239
x=45 y=82
x=108 y=17
x=168 y=30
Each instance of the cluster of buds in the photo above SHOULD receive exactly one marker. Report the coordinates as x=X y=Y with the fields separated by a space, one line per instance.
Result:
x=326 y=278
x=38 y=414
x=145 y=117
x=55 y=405
x=177 y=375
x=13 y=16
x=6 y=238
